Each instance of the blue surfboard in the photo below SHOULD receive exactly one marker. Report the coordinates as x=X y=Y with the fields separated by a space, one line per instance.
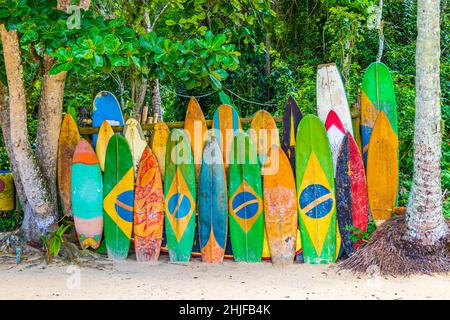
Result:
x=106 y=107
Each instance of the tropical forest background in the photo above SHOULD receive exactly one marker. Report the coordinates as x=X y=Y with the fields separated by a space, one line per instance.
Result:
x=254 y=52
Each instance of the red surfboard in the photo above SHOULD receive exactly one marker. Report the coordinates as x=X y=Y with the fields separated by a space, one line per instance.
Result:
x=351 y=192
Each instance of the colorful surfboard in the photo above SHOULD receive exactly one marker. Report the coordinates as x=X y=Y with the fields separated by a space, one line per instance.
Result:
x=351 y=192
x=382 y=169
x=159 y=143
x=106 y=107
x=280 y=209
x=213 y=204
x=291 y=118
x=264 y=134
x=335 y=133
x=7 y=201
x=68 y=140
x=315 y=192
x=179 y=195
x=104 y=134
x=226 y=122
x=148 y=209
x=245 y=201
x=118 y=197
x=378 y=94
x=331 y=95
x=87 y=195
x=136 y=140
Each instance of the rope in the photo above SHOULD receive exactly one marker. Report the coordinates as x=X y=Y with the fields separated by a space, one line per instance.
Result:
x=226 y=89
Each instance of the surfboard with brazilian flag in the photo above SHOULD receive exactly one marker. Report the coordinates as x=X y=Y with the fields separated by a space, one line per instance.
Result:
x=315 y=192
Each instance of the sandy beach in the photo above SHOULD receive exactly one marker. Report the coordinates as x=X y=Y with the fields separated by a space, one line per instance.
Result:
x=197 y=280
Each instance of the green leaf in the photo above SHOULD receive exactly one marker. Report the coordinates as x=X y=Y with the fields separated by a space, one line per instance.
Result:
x=215 y=83
x=170 y=23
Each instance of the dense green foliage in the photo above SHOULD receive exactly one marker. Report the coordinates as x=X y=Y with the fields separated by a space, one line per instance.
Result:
x=196 y=47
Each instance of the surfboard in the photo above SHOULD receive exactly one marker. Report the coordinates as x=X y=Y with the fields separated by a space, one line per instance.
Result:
x=136 y=140
x=315 y=192
x=68 y=140
x=213 y=204
x=264 y=134
x=245 y=201
x=87 y=195
x=148 y=209
x=378 y=94
x=118 y=197
x=159 y=142
x=226 y=123
x=382 y=169
x=196 y=131
x=280 y=209
x=351 y=192
x=331 y=95
x=104 y=134
x=7 y=201
x=179 y=195
x=106 y=107
x=335 y=133
x=291 y=118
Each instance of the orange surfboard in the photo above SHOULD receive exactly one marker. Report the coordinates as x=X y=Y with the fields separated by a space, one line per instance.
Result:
x=280 y=209
x=159 y=141
x=68 y=140
x=148 y=209
x=382 y=169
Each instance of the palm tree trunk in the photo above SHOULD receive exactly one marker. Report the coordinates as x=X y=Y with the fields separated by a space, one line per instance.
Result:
x=425 y=220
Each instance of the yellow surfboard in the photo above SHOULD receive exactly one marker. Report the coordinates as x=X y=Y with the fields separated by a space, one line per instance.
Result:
x=264 y=133
x=159 y=141
x=136 y=140
x=104 y=134
x=382 y=169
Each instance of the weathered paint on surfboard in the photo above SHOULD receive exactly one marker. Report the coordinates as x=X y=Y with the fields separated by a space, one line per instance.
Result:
x=159 y=143
x=87 y=195
x=280 y=209
x=68 y=140
x=213 y=204
x=179 y=195
x=104 y=134
x=315 y=192
x=226 y=123
x=264 y=134
x=245 y=201
x=7 y=201
x=382 y=169
x=118 y=197
x=351 y=192
x=378 y=94
x=196 y=131
x=335 y=133
x=331 y=95
x=291 y=118
x=148 y=209
x=136 y=140
x=106 y=107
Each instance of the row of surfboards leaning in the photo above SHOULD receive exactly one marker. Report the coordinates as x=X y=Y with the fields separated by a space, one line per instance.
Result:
x=226 y=192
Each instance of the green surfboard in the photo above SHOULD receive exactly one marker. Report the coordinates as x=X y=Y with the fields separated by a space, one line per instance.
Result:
x=245 y=201
x=378 y=94
x=315 y=192
x=118 y=197
x=179 y=196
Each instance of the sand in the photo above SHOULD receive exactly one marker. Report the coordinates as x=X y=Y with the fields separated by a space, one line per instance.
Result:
x=197 y=280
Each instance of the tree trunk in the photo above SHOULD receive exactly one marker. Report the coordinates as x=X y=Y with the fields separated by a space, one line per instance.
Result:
x=156 y=99
x=380 y=31
x=39 y=211
x=50 y=113
x=425 y=220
